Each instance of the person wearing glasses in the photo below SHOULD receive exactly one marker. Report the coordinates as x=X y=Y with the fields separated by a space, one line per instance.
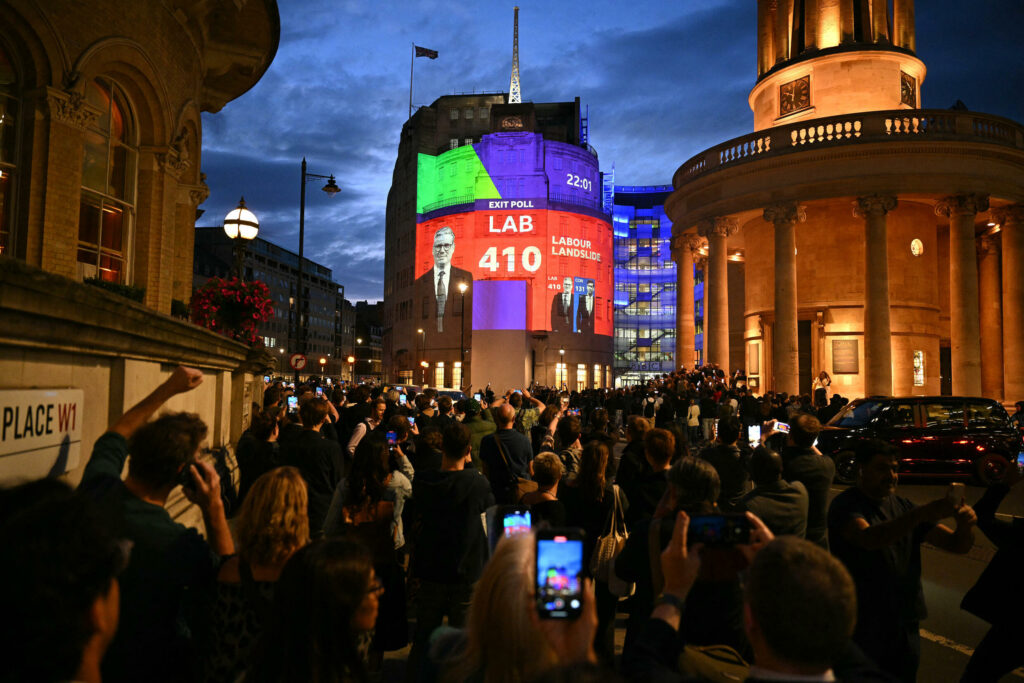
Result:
x=437 y=291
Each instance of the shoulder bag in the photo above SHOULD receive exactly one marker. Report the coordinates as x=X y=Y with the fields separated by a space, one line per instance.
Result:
x=609 y=546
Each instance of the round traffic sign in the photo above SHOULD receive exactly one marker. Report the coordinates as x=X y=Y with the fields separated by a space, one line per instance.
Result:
x=297 y=361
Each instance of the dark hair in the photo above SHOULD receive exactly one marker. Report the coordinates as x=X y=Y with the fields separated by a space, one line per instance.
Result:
x=765 y=465
x=366 y=481
x=567 y=430
x=160 y=448
x=432 y=438
x=264 y=422
x=867 y=449
x=422 y=402
x=444 y=402
x=515 y=400
x=60 y=557
x=599 y=420
x=455 y=441
x=820 y=397
x=313 y=412
x=729 y=429
x=359 y=394
x=309 y=636
x=272 y=395
x=591 y=475
x=696 y=484
x=547 y=469
x=637 y=424
x=660 y=445
x=400 y=425
x=803 y=601
x=804 y=430
x=548 y=415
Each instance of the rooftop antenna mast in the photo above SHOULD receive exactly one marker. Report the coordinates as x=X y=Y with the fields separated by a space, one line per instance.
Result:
x=513 y=88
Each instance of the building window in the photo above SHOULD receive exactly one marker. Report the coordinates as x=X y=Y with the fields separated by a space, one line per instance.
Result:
x=453 y=143
x=107 y=202
x=481 y=113
x=468 y=141
x=8 y=137
x=597 y=375
x=467 y=113
x=453 y=114
x=457 y=375
x=439 y=372
x=559 y=375
x=581 y=376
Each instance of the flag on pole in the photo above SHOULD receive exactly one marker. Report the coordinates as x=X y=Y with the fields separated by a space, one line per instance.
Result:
x=425 y=52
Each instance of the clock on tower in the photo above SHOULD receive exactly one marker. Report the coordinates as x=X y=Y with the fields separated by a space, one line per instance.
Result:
x=795 y=96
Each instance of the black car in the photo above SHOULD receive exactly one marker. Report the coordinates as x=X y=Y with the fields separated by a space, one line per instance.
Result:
x=937 y=436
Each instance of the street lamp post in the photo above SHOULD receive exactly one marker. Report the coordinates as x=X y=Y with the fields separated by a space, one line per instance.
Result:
x=323 y=364
x=424 y=364
x=332 y=189
x=351 y=369
x=242 y=226
x=560 y=370
x=462 y=330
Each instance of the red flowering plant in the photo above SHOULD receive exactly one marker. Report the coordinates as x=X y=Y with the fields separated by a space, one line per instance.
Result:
x=233 y=308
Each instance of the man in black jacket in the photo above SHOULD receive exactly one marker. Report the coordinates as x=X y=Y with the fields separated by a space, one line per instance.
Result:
x=803 y=462
x=451 y=547
x=731 y=464
x=317 y=458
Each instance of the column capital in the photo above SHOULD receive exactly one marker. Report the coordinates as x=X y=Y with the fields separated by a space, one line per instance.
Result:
x=1012 y=213
x=687 y=242
x=874 y=205
x=961 y=205
x=723 y=227
x=67 y=106
x=785 y=212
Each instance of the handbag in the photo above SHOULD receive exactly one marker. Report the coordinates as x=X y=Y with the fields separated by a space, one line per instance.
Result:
x=516 y=487
x=609 y=546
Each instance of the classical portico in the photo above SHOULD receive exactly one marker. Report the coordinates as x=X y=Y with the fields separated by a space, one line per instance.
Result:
x=880 y=242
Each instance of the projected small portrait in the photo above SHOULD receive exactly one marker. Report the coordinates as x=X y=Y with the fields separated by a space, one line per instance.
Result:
x=585 y=307
x=439 y=286
x=562 y=307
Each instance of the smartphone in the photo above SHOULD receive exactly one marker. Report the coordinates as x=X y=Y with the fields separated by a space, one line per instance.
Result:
x=392 y=438
x=293 y=404
x=185 y=477
x=319 y=391
x=559 y=573
x=782 y=427
x=402 y=399
x=266 y=378
x=719 y=530
x=754 y=435
x=514 y=520
x=956 y=492
x=412 y=420
x=477 y=395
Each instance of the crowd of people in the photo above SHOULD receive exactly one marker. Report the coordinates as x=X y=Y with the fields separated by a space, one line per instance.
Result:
x=358 y=526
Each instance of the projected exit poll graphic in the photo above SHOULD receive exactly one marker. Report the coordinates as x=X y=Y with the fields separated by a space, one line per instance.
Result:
x=517 y=207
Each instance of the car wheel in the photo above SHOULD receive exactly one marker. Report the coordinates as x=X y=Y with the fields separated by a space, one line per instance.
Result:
x=991 y=468
x=846 y=467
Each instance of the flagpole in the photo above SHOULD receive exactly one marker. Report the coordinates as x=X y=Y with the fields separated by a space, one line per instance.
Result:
x=412 y=60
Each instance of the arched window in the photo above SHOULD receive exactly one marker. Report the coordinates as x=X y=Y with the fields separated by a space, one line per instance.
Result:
x=109 y=168
x=8 y=139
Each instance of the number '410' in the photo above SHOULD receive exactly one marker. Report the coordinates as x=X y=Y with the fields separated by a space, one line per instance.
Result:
x=529 y=259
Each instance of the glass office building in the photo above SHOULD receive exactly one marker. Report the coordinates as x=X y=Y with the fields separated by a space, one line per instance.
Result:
x=645 y=286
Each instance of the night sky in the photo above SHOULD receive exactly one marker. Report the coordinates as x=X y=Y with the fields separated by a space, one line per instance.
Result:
x=664 y=80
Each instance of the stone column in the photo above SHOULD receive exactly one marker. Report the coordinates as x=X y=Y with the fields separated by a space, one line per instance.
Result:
x=963 y=291
x=682 y=254
x=785 y=356
x=700 y=261
x=877 y=324
x=716 y=283
x=1011 y=224
x=990 y=305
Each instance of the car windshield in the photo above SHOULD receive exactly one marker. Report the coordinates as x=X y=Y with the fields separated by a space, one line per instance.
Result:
x=857 y=414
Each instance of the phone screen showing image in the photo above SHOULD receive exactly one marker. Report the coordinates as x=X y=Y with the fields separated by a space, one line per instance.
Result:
x=412 y=420
x=559 y=565
x=477 y=396
x=753 y=435
x=782 y=427
x=515 y=521
x=392 y=438
x=319 y=391
x=293 y=403
x=402 y=399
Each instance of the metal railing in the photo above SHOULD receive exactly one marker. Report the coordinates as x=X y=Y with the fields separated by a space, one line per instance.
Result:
x=864 y=127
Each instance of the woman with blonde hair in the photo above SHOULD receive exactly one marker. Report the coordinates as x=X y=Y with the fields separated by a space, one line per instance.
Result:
x=505 y=641
x=271 y=526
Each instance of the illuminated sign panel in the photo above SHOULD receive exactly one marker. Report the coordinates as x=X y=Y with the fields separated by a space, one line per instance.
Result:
x=516 y=207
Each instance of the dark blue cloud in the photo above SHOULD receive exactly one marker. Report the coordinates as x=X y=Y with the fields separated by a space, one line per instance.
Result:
x=663 y=81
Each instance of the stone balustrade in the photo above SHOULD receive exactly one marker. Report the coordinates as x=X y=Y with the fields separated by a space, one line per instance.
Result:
x=860 y=128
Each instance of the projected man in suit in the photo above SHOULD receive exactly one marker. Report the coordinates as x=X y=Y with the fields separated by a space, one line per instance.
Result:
x=561 y=308
x=585 y=311
x=437 y=291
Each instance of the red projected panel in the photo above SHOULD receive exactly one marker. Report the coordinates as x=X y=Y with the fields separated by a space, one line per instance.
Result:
x=565 y=258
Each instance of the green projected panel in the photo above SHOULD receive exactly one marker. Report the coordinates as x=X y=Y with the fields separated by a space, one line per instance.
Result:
x=455 y=177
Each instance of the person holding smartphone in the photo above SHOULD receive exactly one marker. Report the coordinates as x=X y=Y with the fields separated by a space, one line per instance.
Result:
x=803 y=462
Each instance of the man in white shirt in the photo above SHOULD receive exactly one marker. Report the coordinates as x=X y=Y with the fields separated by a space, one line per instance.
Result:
x=561 y=308
x=437 y=290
